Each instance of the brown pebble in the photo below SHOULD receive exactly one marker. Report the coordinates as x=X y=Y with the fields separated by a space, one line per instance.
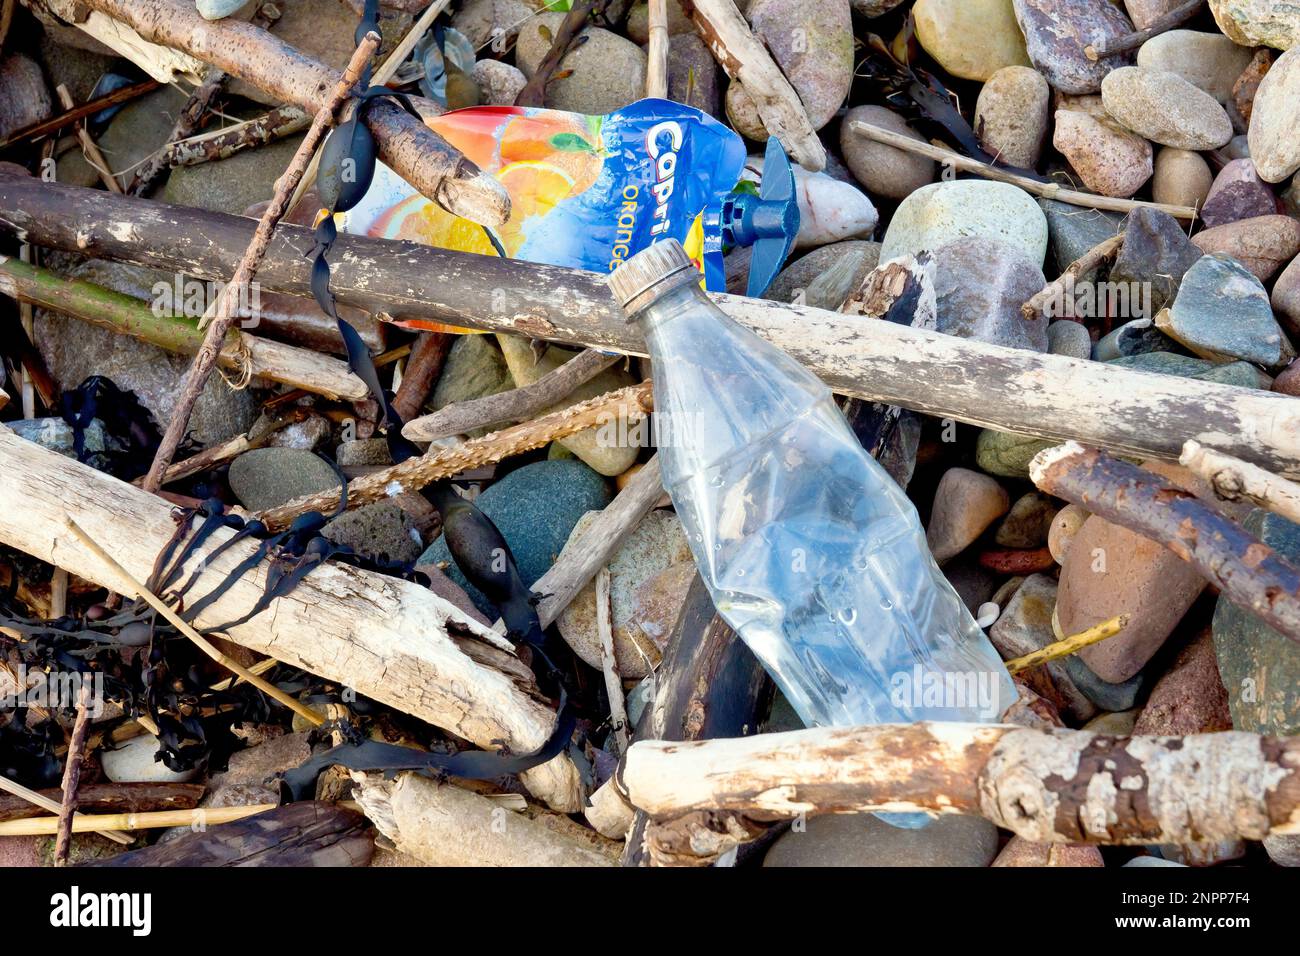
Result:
x=1018 y=562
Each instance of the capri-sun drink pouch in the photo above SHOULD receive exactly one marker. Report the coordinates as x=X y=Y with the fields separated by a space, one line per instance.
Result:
x=586 y=192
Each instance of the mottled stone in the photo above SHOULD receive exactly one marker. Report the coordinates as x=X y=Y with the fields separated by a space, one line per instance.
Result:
x=1021 y=852
x=1165 y=108
x=474 y=368
x=1076 y=229
x=608 y=71
x=482 y=21
x=1222 y=313
x=884 y=170
x=861 y=839
x=1182 y=177
x=381 y=531
x=1011 y=115
x=1155 y=251
x=1263 y=244
x=1237 y=193
x=1065 y=525
x=793 y=282
x=1242 y=374
x=249 y=777
x=941 y=212
x=266 y=477
x=1006 y=453
x=965 y=504
x=1275 y=117
x=1209 y=61
x=1145 y=12
x=1108 y=158
x=1189 y=698
x=980 y=286
x=1056 y=33
x=1027 y=523
x=1286 y=296
x=1274 y=23
x=498 y=82
x=972 y=39
x=1260 y=667
x=1105 y=694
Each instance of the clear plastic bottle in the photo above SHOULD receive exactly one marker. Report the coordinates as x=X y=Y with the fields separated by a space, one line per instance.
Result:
x=809 y=549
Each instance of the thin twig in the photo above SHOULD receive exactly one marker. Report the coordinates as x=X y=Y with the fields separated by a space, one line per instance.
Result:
x=93 y=155
x=609 y=664
x=1046 y=190
x=1069 y=645
x=135 y=588
x=514 y=405
x=1131 y=41
x=53 y=125
x=72 y=775
x=222 y=313
x=1106 y=249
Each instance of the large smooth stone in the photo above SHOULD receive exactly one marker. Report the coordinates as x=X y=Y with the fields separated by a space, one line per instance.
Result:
x=1263 y=244
x=1057 y=32
x=266 y=477
x=980 y=286
x=1209 y=61
x=1237 y=193
x=1165 y=108
x=861 y=839
x=1222 y=313
x=1274 y=23
x=972 y=39
x=1011 y=115
x=884 y=170
x=1275 y=117
x=941 y=212
x=1156 y=254
x=608 y=71
x=1108 y=158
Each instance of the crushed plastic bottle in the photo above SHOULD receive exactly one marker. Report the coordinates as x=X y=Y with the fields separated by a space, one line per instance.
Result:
x=810 y=550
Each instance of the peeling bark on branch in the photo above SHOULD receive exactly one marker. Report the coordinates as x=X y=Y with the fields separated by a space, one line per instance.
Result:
x=1066 y=786
x=1047 y=396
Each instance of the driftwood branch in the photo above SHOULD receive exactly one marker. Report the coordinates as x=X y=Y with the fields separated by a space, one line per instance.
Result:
x=513 y=405
x=72 y=775
x=104 y=798
x=413 y=474
x=1131 y=41
x=77 y=114
x=1048 y=396
x=445 y=825
x=1047 y=190
x=656 y=74
x=387 y=639
x=421 y=372
x=1067 y=786
x=19 y=808
x=1249 y=572
x=414 y=151
x=224 y=143
x=266 y=358
x=89 y=148
x=1103 y=251
x=1235 y=480
x=744 y=57
x=223 y=312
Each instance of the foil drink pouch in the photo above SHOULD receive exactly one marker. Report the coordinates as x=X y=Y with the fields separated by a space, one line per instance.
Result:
x=586 y=192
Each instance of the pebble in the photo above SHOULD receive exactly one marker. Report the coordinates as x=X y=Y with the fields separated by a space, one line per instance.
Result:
x=482 y=21
x=535 y=507
x=73 y=350
x=608 y=71
x=381 y=530
x=793 y=282
x=1076 y=229
x=1241 y=374
x=693 y=74
x=980 y=285
x=1104 y=693
x=1274 y=23
x=1156 y=251
x=1027 y=523
x=605 y=448
x=1069 y=338
x=1147 y=861
x=474 y=368
x=1190 y=697
x=241 y=180
x=266 y=477
x=1284 y=849
x=57 y=435
x=1164 y=108
x=1022 y=852
x=1286 y=295
x=363 y=451
x=830 y=210
x=972 y=39
x=1263 y=244
x=499 y=82
x=1259 y=666
x=1056 y=33
x=975 y=585
x=862 y=839
x=966 y=503
x=1209 y=61
x=1288 y=382
x=1137 y=337
x=1115 y=725
x=1274 y=118
x=218 y=9
x=832 y=288
x=1182 y=177
x=1065 y=525
x=1026 y=626
x=1006 y=453
x=883 y=170
x=1109 y=570
x=27 y=98
x=1246 y=87
x=874 y=8
x=1237 y=193
x=1222 y=313
x=649 y=576
x=940 y=212
x=812 y=43
x=1144 y=12
x=1011 y=115
x=1108 y=158
x=134 y=762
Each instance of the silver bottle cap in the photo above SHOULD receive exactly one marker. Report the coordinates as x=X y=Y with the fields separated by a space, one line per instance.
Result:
x=648 y=268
